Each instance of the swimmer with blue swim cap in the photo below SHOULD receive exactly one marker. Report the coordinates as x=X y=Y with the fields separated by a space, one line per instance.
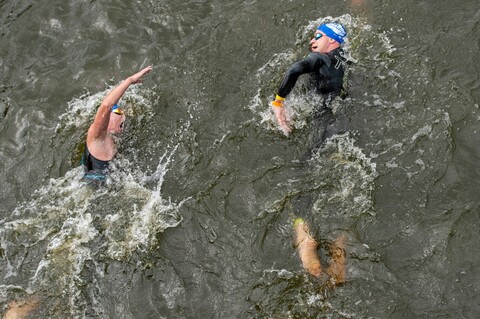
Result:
x=325 y=64
x=333 y=30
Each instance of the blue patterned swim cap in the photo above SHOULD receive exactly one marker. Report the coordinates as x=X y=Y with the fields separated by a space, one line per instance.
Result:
x=333 y=30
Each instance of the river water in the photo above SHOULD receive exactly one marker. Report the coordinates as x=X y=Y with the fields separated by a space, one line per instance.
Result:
x=196 y=220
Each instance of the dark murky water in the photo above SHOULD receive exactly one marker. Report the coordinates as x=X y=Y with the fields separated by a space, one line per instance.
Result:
x=196 y=221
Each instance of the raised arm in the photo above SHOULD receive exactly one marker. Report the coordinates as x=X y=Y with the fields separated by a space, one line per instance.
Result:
x=100 y=124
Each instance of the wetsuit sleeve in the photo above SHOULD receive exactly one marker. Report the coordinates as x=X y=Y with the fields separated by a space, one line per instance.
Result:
x=312 y=62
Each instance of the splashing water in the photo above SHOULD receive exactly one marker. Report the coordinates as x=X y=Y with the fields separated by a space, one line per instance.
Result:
x=300 y=106
x=351 y=175
x=333 y=192
x=48 y=240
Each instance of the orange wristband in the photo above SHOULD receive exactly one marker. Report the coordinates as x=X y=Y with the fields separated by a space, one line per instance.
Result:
x=278 y=101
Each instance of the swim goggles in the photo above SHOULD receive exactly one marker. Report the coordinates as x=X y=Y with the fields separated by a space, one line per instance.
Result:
x=116 y=109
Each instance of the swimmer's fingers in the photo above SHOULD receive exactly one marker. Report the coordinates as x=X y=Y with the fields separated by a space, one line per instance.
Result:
x=137 y=77
x=286 y=128
x=282 y=119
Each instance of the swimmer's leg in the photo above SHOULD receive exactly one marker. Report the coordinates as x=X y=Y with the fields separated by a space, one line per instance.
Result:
x=307 y=248
x=22 y=308
x=322 y=122
x=337 y=268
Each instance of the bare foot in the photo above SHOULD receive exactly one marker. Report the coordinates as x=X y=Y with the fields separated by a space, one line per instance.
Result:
x=307 y=248
x=22 y=308
x=336 y=268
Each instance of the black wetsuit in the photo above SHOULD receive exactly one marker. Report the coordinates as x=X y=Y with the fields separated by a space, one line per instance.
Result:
x=94 y=168
x=326 y=69
x=327 y=72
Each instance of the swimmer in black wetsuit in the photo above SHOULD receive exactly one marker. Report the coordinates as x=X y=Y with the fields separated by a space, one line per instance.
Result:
x=100 y=145
x=325 y=63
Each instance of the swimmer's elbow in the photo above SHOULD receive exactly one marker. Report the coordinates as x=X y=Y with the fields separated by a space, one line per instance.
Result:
x=295 y=71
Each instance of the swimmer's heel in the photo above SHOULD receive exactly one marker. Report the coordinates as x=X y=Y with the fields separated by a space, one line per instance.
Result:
x=297 y=221
x=307 y=248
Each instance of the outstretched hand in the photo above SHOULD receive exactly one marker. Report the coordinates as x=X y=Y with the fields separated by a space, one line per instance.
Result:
x=137 y=77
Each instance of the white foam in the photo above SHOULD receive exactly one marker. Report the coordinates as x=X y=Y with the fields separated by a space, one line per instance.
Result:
x=300 y=106
x=60 y=216
x=154 y=216
x=351 y=176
